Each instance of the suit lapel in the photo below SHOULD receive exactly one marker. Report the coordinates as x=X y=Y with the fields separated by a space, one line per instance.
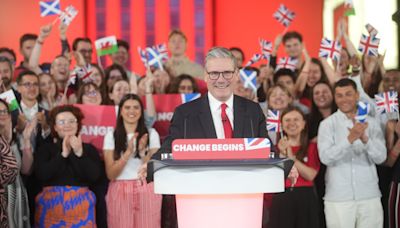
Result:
x=206 y=118
x=238 y=117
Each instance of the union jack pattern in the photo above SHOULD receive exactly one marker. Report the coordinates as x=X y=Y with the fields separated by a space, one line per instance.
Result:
x=330 y=49
x=284 y=15
x=387 y=102
x=256 y=143
x=369 y=45
x=287 y=63
x=273 y=121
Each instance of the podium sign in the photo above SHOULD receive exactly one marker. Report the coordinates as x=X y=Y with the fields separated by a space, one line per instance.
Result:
x=221 y=149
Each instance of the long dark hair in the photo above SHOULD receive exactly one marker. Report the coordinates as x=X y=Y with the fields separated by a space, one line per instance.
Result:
x=120 y=135
x=315 y=117
x=303 y=135
x=324 y=78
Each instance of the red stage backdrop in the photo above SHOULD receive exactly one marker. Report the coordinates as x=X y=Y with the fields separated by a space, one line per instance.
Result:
x=145 y=22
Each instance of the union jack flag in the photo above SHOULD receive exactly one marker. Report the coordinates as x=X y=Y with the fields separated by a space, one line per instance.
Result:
x=256 y=143
x=287 y=63
x=249 y=79
x=48 y=8
x=371 y=30
x=273 y=121
x=369 y=45
x=68 y=15
x=162 y=49
x=82 y=73
x=189 y=97
x=362 y=112
x=284 y=15
x=330 y=49
x=143 y=56
x=387 y=102
x=254 y=59
x=266 y=48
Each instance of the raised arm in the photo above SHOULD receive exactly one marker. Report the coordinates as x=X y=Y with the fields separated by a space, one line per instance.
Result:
x=37 y=49
x=301 y=81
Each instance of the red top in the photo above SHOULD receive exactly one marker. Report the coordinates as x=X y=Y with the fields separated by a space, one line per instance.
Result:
x=311 y=160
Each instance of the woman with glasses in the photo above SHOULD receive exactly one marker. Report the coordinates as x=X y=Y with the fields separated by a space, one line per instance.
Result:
x=297 y=206
x=90 y=93
x=8 y=163
x=66 y=167
x=131 y=201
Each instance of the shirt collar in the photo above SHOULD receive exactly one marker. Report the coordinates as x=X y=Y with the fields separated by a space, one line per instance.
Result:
x=216 y=104
x=34 y=107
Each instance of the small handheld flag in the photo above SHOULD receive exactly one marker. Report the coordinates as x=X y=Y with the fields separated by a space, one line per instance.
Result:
x=10 y=98
x=287 y=63
x=284 y=16
x=273 y=121
x=330 y=49
x=362 y=112
x=349 y=8
x=369 y=45
x=189 y=97
x=143 y=56
x=387 y=102
x=249 y=79
x=254 y=59
x=48 y=8
x=68 y=15
x=156 y=56
x=106 y=46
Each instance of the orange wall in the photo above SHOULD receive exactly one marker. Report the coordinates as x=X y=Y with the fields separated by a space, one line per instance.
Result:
x=241 y=23
x=23 y=16
x=235 y=23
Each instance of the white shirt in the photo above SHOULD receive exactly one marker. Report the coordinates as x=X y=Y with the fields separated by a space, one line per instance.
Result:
x=29 y=112
x=351 y=168
x=215 y=107
x=130 y=171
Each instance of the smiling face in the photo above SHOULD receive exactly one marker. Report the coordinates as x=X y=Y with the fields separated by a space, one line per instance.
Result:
x=120 y=89
x=322 y=95
x=220 y=88
x=314 y=74
x=293 y=47
x=29 y=88
x=293 y=123
x=46 y=85
x=346 y=98
x=4 y=115
x=60 y=69
x=279 y=99
x=131 y=111
x=66 y=124
x=91 y=96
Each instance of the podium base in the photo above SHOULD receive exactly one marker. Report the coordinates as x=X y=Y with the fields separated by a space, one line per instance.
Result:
x=219 y=211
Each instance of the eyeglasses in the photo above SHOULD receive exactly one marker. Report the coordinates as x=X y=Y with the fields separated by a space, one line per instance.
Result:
x=29 y=85
x=65 y=122
x=92 y=93
x=3 y=112
x=214 y=75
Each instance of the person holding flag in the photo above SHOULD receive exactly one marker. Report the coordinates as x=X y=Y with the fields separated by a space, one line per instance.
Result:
x=351 y=150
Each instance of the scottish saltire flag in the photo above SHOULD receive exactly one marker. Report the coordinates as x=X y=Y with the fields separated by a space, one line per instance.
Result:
x=387 y=102
x=273 y=121
x=287 y=63
x=254 y=59
x=362 y=112
x=284 y=15
x=11 y=100
x=371 y=30
x=266 y=47
x=106 y=45
x=156 y=58
x=249 y=79
x=330 y=49
x=189 y=97
x=349 y=8
x=143 y=56
x=48 y=8
x=369 y=45
x=68 y=15
x=256 y=143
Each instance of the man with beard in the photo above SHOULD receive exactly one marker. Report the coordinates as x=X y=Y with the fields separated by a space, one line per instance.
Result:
x=6 y=72
x=83 y=45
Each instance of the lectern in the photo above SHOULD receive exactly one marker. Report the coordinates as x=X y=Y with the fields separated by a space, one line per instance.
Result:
x=220 y=192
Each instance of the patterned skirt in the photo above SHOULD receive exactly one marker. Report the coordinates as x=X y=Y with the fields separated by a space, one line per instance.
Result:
x=65 y=206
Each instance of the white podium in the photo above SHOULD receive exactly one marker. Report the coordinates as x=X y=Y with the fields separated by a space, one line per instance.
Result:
x=220 y=193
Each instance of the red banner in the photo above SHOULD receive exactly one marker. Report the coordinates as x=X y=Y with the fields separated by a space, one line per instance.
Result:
x=221 y=149
x=99 y=119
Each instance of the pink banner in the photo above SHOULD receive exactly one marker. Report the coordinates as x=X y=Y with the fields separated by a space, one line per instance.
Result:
x=99 y=119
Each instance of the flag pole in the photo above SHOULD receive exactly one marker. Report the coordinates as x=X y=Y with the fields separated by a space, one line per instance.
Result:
x=55 y=21
x=99 y=62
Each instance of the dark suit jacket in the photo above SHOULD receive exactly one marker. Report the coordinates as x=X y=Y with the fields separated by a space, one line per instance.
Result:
x=194 y=120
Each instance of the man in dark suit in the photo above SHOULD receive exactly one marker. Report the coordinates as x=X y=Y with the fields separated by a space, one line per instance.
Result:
x=207 y=117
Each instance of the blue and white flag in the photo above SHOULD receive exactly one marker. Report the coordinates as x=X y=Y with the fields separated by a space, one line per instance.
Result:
x=362 y=112
x=49 y=8
x=249 y=79
x=189 y=97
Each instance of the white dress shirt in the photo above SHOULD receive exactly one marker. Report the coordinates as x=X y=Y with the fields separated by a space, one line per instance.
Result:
x=215 y=107
x=351 y=168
